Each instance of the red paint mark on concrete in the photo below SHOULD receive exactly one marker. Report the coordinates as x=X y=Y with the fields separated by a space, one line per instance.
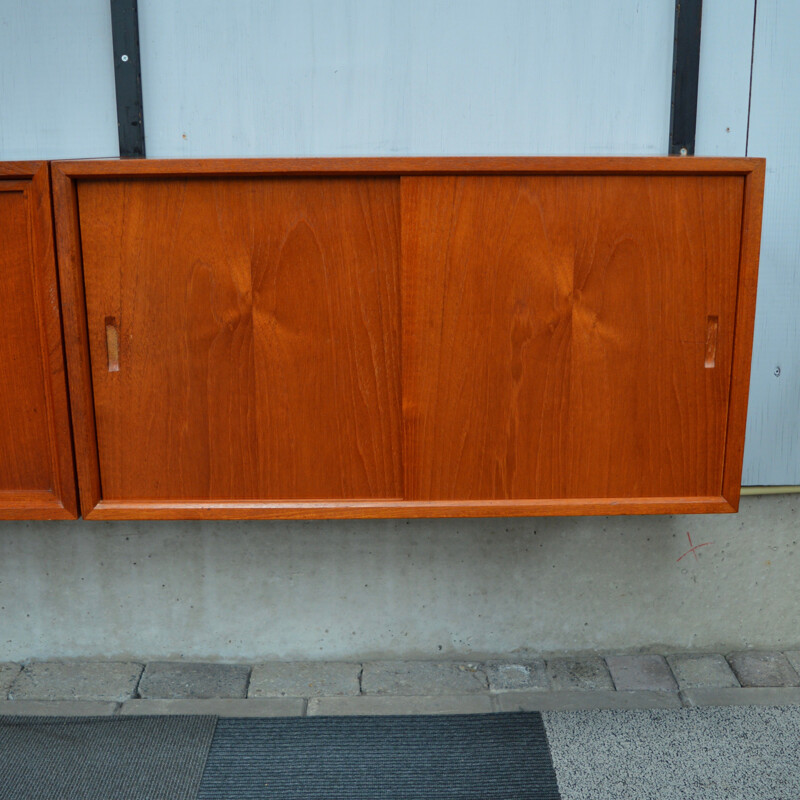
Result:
x=693 y=548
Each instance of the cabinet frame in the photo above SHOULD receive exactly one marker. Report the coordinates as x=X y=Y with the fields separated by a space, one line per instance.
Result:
x=66 y=175
x=61 y=501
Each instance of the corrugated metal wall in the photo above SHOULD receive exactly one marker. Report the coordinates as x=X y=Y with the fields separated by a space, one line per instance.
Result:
x=405 y=77
x=438 y=77
x=56 y=80
x=773 y=425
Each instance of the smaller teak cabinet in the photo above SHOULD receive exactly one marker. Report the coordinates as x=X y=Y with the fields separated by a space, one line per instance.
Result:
x=37 y=476
x=408 y=337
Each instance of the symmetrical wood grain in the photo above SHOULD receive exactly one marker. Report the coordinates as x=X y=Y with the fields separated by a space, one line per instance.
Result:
x=555 y=335
x=258 y=325
x=263 y=345
x=36 y=468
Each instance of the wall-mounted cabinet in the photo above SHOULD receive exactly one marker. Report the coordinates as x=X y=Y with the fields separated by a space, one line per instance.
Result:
x=408 y=337
x=37 y=476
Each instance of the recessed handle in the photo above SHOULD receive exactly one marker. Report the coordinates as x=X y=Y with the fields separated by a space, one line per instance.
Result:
x=712 y=327
x=112 y=344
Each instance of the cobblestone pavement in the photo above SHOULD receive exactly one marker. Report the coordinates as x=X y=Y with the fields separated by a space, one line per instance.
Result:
x=567 y=683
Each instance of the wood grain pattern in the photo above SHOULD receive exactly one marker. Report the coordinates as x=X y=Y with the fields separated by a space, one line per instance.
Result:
x=36 y=468
x=415 y=165
x=591 y=317
x=258 y=337
x=407 y=509
x=554 y=335
x=24 y=442
x=76 y=339
x=745 y=327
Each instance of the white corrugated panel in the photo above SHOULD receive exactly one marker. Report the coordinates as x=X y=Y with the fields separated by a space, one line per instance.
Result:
x=406 y=77
x=57 y=96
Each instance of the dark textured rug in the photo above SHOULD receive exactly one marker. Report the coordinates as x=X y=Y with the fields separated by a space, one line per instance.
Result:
x=103 y=758
x=469 y=757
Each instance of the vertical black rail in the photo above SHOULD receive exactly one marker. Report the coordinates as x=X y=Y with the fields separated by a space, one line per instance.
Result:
x=128 y=77
x=685 y=73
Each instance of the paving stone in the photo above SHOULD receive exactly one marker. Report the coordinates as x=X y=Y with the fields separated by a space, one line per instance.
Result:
x=641 y=672
x=794 y=659
x=510 y=677
x=56 y=708
x=745 y=696
x=376 y=705
x=702 y=671
x=422 y=678
x=178 y=680
x=8 y=672
x=304 y=679
x=269 y=707
x=763 y=668
x=580 y=700
x=77 y=680
x=589 y=673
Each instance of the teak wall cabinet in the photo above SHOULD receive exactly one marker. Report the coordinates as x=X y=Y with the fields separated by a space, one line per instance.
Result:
x=37 y=475
x=408 y=337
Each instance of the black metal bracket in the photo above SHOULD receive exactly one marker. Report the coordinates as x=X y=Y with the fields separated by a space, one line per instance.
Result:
x=128 y=77
x=685 y=74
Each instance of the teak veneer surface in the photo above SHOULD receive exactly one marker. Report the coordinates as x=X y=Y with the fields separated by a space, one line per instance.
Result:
x=408 y=337
x=36 y=467
x=555 y=335
x=259 y=327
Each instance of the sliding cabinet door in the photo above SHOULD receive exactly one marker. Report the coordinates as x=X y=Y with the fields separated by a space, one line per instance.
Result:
x=568 y=336
x=244 y=336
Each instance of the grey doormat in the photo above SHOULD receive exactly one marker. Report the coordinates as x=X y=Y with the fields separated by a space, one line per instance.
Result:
x=103 y=758
x=469 y=757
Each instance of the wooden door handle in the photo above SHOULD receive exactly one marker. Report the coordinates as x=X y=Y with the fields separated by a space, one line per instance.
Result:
x=712 y=327
x=112 y=344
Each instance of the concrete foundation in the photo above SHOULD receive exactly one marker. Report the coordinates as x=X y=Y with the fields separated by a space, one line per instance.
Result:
x=435 y=589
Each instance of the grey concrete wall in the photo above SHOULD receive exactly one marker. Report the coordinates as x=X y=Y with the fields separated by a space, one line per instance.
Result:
x=369 y=589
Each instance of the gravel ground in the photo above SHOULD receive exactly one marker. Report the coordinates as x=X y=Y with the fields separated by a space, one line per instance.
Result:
x=735 y=753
